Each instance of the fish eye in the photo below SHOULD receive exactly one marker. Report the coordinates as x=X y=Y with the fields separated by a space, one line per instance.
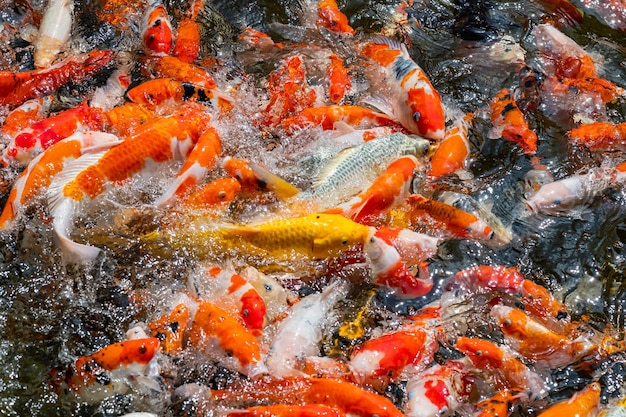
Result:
x=372 y=239
x=221 y=195
x=507 y=322
x=267 y=287
x=416 y=116
x=344 y=241
x=479 y=353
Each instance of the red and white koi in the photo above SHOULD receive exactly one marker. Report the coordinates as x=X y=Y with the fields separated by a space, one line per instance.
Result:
x=114 y=369
x=509 y=123
x=162 y=140
x=23 y=116
x=413 y=247
x=415 y=103
x=41 y=170
x=156 y=31
x=584 y=403
x=299 y=334
x=54 y=32
x=33 y=140
x=388 y=269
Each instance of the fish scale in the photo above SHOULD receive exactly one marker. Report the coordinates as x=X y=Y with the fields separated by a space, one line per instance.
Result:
x=353 y=168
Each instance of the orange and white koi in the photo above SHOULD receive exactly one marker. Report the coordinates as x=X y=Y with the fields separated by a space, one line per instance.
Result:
x=162 y=140
x=281 y=410
x=534 y=341
x=339 y=81
x=509 y=123
x=202 y=159
x=213 y=327
x=114 y=369
x=54 y=32
x=604 y=136
x=299 y=334
x=33 y=140
x=584 y=403
x=18 y=87
x=23 y=116
x=234 y=293
x=499 y=404
x=437 y=390
x=156 y=30
x=345 y=396
x=383 y=359
x=158 y=91
x=41 y=170
x=562 y=196
x=415 y=103
x=453 y=151
x=388 y=189
x=457 y=222
x=112 y=93
x=413 y=247
x=327 y=116
x=503 y=368
x=388 y=269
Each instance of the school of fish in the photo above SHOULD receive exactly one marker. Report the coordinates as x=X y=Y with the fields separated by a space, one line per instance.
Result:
x=300 y=179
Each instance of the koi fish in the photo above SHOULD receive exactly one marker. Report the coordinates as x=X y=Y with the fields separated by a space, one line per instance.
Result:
x=155 y=92
x=345 y=396
x=504 y=369
x=23 y=116
x=413 y=247
x=452 y=152
x=172 y=67
x=389 y=189
x=382 y=359
x=509 y=123
x=156 y=31
x=213 y=195
x=536 y=342
x=315 y=236
x=455 y=221
x=170 y=328
x=327 y=116
x=339 y=81
x=389 y=269
x=256 y=39
x=583 y=403
x=330 y=17
x=41 y=170
x=54 y=32
x=342 y=175
x=500 y=403
x=112 y=93
x=18 y=87
x=187 y=46
x=281 y=410
x=415 y=103
x=214 y=323
x=124 y=120
x=165 y=139
x=39 y=136
x=299 y=334
x=114 y=369
x=603 y=136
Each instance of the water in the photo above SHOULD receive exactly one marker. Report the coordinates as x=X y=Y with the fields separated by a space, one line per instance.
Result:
x=51 y=313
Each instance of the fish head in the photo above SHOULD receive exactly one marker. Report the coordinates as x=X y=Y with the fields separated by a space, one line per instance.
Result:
x=157 y=30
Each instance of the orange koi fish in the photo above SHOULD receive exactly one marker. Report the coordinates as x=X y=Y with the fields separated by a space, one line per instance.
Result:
x=31 y=141
x=602 y=136
x=509 y=123
x=113 y=369
x=202 y=159
x=54 y=32
x=289 y=92
x=213 y=195
x=176 y=69
x=389 y=189
x=415 y=103
x=156 y=31
x=499 y=404
x=281 y=410
x=452 y=153
x=330 y=17
x=187 y=46
x=162 y=140
x=41 y=170
x=535 y=341
x=18 y=87
x=344 y=396
x=23 y=116
x=124 y=120
x=253 y=177
x=155 y=92
x=582 y=404
x=170 y=328
x=339 y=81
x=327 y=116
x=384 y=358
x=505 y=370
x=459 y=223
x=212 y=322
x=389 y=269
